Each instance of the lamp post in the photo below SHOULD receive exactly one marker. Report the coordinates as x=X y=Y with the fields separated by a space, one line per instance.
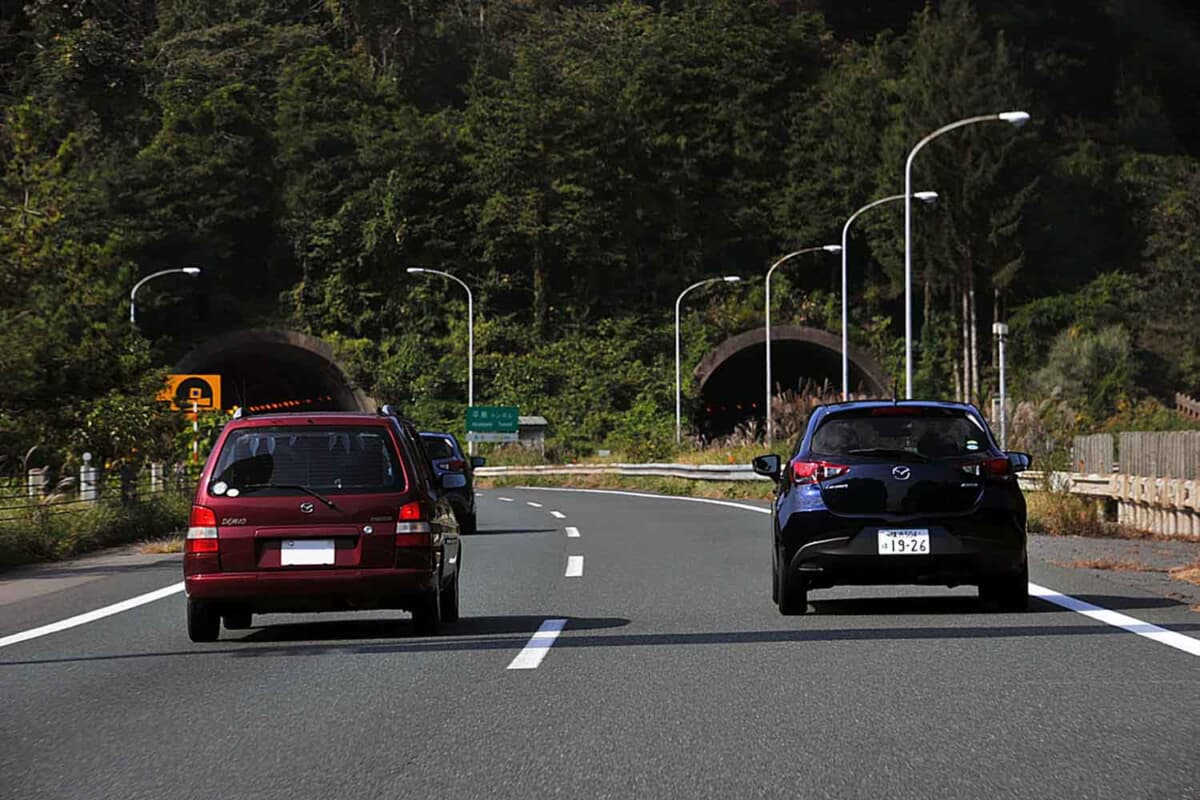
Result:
x=1015 y=118
x=925 y=197
x=192 y=271
x=470 y=332
x=678 y=379
x=1000 y=331
x=828 y=248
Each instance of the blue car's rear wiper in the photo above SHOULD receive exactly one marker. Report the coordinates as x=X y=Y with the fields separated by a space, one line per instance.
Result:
x=884 y=452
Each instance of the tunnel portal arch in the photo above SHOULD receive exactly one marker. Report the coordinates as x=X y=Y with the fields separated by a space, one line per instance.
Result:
x=731 y=377
x=266 y=369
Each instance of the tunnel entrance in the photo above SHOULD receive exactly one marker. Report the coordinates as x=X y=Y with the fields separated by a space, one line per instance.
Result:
x=270 y=370
x=732 y=378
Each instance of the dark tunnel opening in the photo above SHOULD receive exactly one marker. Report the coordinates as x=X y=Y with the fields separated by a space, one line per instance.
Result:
x=275 y=371
x=735 y=391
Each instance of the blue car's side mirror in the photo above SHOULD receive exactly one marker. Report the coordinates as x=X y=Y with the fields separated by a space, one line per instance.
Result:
x=767 y=466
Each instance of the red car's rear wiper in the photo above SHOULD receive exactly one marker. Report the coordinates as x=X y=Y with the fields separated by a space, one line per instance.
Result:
x=304 y=489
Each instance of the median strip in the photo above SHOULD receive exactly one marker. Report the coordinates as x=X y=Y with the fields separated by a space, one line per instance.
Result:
x=539 y=644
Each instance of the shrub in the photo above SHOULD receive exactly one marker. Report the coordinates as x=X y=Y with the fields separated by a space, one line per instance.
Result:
x=1062 y=514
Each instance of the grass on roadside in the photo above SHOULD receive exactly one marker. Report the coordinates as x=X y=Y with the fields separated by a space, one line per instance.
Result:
x=50 y=534
x=1188 y=573
x=169 y=544
x=1124 y=565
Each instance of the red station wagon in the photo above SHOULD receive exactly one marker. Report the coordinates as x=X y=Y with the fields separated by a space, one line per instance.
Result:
x=319 y=512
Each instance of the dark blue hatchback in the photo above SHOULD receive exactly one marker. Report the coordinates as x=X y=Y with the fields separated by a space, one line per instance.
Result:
x=908 y=492
x=457 y=472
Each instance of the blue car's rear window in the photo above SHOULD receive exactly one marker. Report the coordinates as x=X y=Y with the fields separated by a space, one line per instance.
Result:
x=930 y=433
x=437 y=447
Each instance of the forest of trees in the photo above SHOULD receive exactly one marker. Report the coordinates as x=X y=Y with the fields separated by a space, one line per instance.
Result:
x=579 y=163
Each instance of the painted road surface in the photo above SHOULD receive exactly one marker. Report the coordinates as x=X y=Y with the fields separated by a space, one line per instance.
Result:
x=660 y=670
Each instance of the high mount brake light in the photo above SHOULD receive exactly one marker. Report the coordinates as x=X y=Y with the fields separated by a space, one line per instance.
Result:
x=202 y=531
x=806 y=472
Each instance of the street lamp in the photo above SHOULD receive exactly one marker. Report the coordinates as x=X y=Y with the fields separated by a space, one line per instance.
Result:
x=1014 y=118
x=470 y=326
x=678 y=380
x=192 y=271
x=925 y=197
x=1000 y=331
x=828 y=248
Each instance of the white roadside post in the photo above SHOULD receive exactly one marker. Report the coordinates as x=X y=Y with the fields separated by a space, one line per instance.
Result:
x=828 y=248
x=1014 y=118
x=470 y=334
x=1000 y=331
x=190 y=271
x=678 y=378
x=924 y=197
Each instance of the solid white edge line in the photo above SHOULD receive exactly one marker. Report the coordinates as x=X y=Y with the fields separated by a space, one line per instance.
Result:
x=1123 y=621
x=92 y=616
x=574 y=567
x=1179 y=641
x=539 y=644
x=572 y=532
x=558 y=515
x=533 y=505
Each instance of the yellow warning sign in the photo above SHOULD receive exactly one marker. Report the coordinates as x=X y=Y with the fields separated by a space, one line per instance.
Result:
x=188 y=392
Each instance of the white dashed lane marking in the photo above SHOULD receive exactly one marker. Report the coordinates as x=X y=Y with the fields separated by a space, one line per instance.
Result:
x=574 y=567
x=572 y=532
x=533 y=505
x=539 y=644
x=505 y=499
x=558 y=515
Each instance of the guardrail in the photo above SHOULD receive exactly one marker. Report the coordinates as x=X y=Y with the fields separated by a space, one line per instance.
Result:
x=699 y=472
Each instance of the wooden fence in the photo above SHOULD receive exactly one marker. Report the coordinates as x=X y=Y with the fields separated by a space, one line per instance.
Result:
x=1174 y=454
x=1094 y=455
x=1160 y=455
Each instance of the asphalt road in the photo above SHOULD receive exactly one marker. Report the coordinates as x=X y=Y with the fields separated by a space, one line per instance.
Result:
x=674 y=676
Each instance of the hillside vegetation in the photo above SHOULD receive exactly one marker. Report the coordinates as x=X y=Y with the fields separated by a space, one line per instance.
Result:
x=579 y=163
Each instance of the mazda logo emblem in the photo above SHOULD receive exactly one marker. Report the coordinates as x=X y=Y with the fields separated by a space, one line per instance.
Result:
x=901 y=473
x=307 y=508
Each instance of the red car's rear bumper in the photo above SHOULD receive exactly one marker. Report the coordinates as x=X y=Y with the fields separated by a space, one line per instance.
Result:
x=313 y=589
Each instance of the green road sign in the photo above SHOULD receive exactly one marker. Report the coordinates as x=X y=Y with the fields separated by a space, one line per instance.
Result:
x=492 y=419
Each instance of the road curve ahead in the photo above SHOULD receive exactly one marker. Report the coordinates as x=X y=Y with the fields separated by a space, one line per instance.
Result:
x=611 y=646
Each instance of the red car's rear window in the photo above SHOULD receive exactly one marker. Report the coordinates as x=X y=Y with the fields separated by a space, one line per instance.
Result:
x=328 y=459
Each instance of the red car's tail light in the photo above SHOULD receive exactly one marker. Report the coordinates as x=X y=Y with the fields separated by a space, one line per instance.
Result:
x=805 y=472
x=411 y=529
x=457 y=465
x=202 y=531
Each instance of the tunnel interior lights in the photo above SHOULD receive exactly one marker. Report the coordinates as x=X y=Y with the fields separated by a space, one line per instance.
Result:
x=283 y=405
